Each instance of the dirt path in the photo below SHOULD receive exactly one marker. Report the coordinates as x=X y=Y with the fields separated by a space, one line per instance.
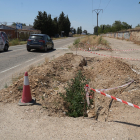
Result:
x=33 y=122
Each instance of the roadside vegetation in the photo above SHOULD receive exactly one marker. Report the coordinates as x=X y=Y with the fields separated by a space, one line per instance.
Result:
x=116 y=26
x=94 y=40
x=75 y=96
x=91 y=40
x=16 y=42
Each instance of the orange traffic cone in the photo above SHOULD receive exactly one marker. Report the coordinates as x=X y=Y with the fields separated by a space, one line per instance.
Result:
x=26 y=95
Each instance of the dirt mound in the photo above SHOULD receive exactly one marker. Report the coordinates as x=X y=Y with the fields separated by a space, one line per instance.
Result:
x=49 y=79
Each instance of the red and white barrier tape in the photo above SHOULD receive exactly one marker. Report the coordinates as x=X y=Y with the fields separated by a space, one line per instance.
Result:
x=113 y=49
x=115 y=87
x=110 y=56
x=114 y=98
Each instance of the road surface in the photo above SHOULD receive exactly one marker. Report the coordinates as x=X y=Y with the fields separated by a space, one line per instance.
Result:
x=18 y=59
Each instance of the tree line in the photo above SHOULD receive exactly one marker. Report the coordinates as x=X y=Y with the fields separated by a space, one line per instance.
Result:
x=116 y=26
x=50 y=26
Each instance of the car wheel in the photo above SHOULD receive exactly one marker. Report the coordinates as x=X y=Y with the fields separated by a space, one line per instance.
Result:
x=28 y=50
x=45 y=49
x=6 y=48
x=52 y=47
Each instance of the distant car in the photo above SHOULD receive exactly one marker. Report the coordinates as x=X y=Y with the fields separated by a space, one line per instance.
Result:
x=4 y=43
x=40 y=42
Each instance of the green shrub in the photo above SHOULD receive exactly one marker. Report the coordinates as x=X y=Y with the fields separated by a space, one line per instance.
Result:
x=75 y=95
x=6 y=86
x=100 y=40
x=14 y=42
x=20 y=88
x=76 y=41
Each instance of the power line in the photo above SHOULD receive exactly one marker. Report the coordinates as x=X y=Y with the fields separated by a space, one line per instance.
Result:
x=105 y=8
x=107 y=4
x=99 y=4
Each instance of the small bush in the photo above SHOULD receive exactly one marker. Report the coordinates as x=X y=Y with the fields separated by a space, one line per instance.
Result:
x=100 y=40
x=20 y=88
x=75 y=95
x=14 y=42
x=6 y=86
x=76 y=42
x=94 y=37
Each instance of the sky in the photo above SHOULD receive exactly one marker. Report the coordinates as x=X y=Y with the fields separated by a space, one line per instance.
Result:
x=79 y=11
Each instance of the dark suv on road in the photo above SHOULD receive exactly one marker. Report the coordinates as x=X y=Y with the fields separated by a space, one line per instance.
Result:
x=39 y=42
x=4 y=43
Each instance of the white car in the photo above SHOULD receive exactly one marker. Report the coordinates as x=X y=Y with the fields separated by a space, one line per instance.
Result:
x=4 y=43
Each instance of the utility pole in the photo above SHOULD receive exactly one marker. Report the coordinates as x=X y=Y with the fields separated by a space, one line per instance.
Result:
x=97 y=11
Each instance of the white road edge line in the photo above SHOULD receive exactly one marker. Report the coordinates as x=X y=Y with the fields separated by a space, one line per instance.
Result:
x=10 y=68
x=29 y=60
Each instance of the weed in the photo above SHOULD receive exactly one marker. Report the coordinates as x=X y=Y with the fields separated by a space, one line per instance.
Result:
x=76 y=41
x=20 y=88
x=75 y=95
x=6 y=86
x=14 y=42
x=46 y=60
x=31 y=67
x=100 y=40
x=42 y=98
x=94 y=37
x=14 y=79
x=55 y=88
x=62 y=68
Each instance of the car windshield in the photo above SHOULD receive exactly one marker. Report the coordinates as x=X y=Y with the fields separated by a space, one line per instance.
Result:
x=36 y=37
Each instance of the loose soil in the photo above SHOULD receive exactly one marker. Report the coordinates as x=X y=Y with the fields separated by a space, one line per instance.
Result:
x=110 y=119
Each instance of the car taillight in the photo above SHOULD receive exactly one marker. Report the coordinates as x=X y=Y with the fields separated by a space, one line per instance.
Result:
x=29 y=40
x=42 y=41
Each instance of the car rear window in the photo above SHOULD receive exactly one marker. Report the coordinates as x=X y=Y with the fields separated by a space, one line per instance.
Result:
x=36 y=37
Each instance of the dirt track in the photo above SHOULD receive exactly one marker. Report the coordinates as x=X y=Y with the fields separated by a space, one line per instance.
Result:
x=34 y=122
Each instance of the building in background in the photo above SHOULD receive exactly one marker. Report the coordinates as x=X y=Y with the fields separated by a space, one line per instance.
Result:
x=22 y=34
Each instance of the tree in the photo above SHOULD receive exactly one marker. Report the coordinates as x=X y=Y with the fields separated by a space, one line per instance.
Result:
x=61 y=21
x=85 y=31
x=116 y=26
x=40 y=22
x=64 y=24
x=74 y=31
x=55 y=26
x=67 y=26
x=14 y=24
x=78 y=30
x=138 y=25
x=50 y=26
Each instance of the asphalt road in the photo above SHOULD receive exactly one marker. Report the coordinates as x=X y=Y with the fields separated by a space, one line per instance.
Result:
x=18 y=59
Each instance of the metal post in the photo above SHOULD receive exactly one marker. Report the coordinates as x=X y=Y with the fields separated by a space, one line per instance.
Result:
x=97 y=24
x=97 y=11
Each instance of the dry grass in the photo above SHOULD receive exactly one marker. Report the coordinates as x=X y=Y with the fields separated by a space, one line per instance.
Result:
x=137 y=42
x=46 y=60
x=94 y=40
x=78 y=35
x=16 y=78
